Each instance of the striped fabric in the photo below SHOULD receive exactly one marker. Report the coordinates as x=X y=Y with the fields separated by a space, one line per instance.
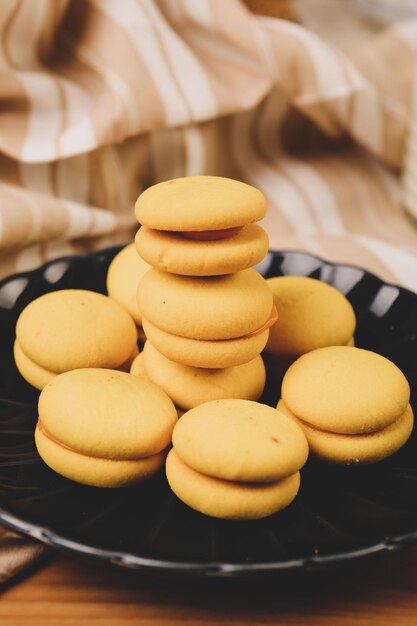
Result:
x=101 y=98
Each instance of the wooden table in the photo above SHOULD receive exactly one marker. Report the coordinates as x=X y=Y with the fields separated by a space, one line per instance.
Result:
x=68 y=592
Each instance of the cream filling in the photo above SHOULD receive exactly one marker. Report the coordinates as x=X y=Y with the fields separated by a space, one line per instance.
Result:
x=210 y=235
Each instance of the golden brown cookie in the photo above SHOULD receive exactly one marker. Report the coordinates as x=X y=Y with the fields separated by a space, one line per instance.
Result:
x=225 y=498
x=312 y=314
x=356 y=449
x=212 y=308
x=171 y=252
x=240 y=440
x=345 y=390
x=200 y=203
x=123 y=276
x=103 y=427
x=69 y=329
x=190 y=386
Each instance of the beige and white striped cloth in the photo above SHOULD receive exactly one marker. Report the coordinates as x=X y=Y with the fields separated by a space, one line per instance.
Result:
x=101 y=98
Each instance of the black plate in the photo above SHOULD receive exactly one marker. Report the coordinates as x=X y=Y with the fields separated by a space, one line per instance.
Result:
x=340 y=514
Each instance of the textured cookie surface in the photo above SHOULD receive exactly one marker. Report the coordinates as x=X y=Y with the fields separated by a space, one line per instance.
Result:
x=39 y=377
x=240 y=440
x=357 y=449
x=107 y=413
x=227 y=499
x=312 y=315
x=73 y=328
x=345 y=390
x=98 y=472
x=199 y=353
x=170 y=252
x=218 y=307
x=33 y=373
x=190 y=386
x=137 y=367
x=197 y=203
x=123 y=276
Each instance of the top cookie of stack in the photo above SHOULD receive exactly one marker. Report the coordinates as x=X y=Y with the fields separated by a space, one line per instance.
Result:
x=201 y=226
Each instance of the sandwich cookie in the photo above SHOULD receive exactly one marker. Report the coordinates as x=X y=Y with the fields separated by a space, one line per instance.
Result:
x=189 y=387
x=211 y=354
x=174 y=253
x=193 y=319
x=70 y=329
x=236 y=459
x=352 y=404
x=123 y=276
x=312 y=314
x=103 y=427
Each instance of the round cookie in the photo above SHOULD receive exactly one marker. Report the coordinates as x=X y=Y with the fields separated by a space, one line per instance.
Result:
x=97 y=472
x=211 y=354
x=33 y=373
x=345 y=390
x=73 y=328
x=189 y=387
x=79 y=405
x=123 y=276
x=38 y=376
x=312 y=314
x=240 y=440
x=354 y=449
x=171 y=252
x=211 y=308
x=103 y=423
x=227 y=499
x=200 y=203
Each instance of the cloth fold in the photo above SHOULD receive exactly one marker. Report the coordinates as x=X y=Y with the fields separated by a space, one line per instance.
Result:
x=18 y=554
x=101 y=98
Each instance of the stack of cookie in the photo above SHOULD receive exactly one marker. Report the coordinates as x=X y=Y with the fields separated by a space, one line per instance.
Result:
x=206 y=315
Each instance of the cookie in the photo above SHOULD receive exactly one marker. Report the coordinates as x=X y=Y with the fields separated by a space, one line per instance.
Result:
x=228 y=499
x=123 y=276
x=171 y=252
x=33 y=373
x=312 y=314
x=212 y=308
x=345 y=390
x=38 y=376
x=103 y=427
x=211 y=354
x=240 y=440
x=137 y=367
x=97 y=472
x=72 y=328
x=200 y=203
x=352 y=404
x=354 y=449
x=189 y=387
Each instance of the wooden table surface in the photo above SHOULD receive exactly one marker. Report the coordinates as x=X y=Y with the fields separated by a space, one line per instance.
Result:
x=68 y=591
